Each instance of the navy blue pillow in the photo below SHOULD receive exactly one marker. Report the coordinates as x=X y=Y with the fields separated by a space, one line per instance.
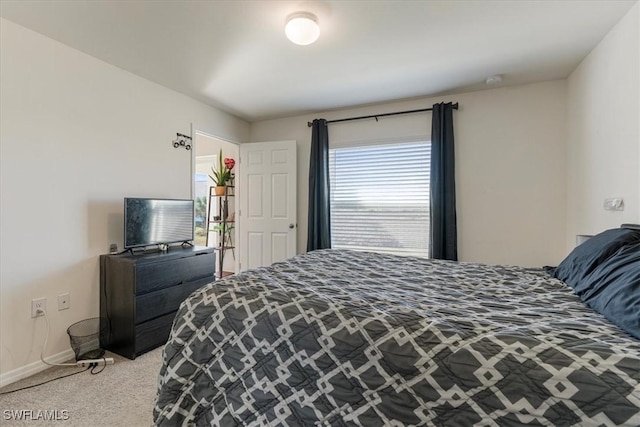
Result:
x=587 y=256
x=613 y=289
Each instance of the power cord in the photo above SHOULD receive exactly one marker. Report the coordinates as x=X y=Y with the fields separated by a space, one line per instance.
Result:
x=94 y=366
x=88 y=364
x=48 y=381
x=46 y=340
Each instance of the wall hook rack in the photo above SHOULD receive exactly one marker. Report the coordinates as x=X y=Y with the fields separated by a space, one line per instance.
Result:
x=182 y=141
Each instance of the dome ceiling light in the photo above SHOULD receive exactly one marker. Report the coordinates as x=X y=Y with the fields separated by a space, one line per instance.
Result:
x=302 y=28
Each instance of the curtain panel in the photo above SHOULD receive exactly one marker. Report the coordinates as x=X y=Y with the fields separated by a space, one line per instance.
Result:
x=444 y=238
x=319 y=219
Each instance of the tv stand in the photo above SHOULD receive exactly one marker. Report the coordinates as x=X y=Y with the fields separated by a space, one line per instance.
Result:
x=140 y=294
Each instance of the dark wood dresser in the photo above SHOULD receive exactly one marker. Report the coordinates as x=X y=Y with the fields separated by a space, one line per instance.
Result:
x=140 y=294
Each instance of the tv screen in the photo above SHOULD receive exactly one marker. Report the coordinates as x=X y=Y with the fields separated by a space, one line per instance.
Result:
x=155 y=221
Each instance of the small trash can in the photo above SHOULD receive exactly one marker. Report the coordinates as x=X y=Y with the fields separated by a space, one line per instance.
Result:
x=85 y=339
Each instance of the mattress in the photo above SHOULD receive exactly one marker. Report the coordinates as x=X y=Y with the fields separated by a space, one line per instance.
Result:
x=345 y=338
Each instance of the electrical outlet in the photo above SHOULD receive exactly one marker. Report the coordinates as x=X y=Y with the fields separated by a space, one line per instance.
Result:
x=38 y=304
x=64 y=301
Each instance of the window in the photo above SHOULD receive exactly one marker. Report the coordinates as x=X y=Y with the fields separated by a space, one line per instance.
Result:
x=380 y=198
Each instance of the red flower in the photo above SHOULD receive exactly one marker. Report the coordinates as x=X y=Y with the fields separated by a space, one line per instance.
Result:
x=229 y=163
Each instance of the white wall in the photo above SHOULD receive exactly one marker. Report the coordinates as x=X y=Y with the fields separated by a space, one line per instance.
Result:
x=603 y=150
x=510 y=149
x=77 y=135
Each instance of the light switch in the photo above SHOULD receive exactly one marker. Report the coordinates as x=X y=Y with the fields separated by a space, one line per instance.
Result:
x=614 y=204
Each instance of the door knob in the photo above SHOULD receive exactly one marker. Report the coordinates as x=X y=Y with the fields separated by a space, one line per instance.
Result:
x=291 y=226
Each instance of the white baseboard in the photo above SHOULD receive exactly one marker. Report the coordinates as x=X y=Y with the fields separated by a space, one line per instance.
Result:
x=35 y=367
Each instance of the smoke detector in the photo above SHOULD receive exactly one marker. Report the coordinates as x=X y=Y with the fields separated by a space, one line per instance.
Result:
x=494 y=80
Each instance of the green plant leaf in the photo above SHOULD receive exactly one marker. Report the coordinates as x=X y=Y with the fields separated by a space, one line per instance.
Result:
x=220 y=175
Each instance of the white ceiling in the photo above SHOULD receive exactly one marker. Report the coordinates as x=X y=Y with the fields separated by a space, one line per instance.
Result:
x=234 y=54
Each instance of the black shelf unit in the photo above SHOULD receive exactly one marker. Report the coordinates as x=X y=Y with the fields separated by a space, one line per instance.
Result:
x=221 y=206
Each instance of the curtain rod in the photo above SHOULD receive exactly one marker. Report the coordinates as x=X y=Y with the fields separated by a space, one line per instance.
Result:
x=375 y=116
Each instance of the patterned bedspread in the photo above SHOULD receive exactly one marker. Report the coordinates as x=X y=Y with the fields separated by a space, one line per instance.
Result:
x=342 y=338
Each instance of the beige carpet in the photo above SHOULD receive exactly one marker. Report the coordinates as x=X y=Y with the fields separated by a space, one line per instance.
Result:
x=122 y=395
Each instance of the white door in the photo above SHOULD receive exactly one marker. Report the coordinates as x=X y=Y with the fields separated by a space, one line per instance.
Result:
x=267 y=196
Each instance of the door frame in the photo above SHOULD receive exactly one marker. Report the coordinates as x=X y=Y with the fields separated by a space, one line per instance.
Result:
x=197 y=130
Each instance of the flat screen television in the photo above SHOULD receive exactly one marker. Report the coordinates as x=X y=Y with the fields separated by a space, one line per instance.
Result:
x=154 y=221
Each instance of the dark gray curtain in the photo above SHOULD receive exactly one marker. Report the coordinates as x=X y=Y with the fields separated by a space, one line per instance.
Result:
x=444 y=238
x=319 y=232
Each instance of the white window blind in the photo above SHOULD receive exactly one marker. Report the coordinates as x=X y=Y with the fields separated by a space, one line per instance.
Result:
x=380 y=198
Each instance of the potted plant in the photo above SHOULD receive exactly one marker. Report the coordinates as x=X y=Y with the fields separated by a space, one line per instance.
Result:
x=221 y=175
x=223 y=228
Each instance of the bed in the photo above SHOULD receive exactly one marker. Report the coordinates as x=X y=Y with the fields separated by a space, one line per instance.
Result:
x=344 y=338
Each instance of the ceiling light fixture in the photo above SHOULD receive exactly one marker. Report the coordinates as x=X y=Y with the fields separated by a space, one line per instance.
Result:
x=302 y=28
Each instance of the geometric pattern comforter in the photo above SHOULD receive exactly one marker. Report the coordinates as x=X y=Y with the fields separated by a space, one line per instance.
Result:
x=343 y=338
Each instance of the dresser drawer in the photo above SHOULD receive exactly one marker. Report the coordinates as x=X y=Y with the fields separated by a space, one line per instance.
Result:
x=155 y=304
x=155 y=276
x=153 y=333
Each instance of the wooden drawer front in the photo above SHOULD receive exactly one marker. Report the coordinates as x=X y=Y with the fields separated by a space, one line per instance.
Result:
x=166 y=300
x=155 y=276
x=153 y=333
